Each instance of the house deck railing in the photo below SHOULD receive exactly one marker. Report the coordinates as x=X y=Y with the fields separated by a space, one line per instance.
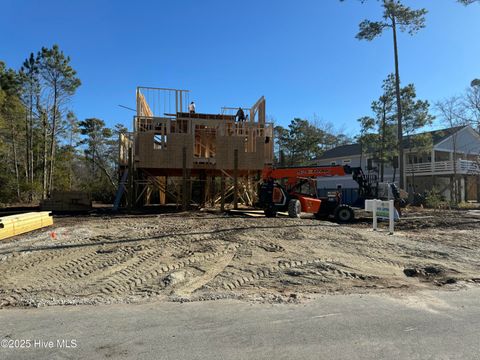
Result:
x=444 y=167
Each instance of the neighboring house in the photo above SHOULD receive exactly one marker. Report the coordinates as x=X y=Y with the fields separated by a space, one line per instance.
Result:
x=437 y=168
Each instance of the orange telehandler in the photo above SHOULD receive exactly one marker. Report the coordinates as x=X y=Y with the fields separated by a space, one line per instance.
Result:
x=294 y=190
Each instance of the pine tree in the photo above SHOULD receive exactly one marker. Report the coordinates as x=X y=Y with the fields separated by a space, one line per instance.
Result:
x=61 y=82
x=396 y=17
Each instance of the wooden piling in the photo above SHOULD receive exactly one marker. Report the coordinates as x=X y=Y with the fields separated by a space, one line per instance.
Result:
x=222 y=193
x=235 y=179
x=184 y=179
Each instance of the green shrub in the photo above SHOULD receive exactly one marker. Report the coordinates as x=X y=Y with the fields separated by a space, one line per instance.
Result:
x=434 y=200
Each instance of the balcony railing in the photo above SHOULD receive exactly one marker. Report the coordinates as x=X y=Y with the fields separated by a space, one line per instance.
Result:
x=444 y=167
x=167 y=126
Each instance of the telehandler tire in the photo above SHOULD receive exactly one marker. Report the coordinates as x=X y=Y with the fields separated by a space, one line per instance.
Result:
x=294 y=208
x=344 y=214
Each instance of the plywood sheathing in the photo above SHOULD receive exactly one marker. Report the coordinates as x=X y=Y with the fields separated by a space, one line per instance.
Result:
x=170 y=157
x=210 y=143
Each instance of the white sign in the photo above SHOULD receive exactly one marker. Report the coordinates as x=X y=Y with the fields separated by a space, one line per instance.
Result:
x=383 y=210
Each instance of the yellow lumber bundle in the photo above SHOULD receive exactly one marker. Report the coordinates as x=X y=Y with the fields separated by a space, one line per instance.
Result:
x=18 y=224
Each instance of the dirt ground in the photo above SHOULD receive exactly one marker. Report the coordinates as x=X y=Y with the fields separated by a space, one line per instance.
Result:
x=204 y=256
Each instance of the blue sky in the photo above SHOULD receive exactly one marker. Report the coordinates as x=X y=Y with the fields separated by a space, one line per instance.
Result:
x=302 y=55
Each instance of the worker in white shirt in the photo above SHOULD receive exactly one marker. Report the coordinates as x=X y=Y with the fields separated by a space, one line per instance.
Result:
x=191 y=108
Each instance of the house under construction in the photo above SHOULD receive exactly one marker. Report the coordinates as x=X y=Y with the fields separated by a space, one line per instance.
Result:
x=176 y=157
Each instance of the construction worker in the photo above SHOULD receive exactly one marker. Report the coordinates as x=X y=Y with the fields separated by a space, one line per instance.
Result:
x=191 y=108
x=240 y=115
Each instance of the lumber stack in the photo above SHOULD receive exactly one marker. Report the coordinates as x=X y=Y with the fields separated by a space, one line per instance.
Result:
x=67 y=201
x=18 y=224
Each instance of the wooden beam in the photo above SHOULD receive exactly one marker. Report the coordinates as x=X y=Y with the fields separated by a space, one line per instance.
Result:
x=18 y=224
x=222 y=193
x=130 y=178
x=235 y=179
x=184 y=183
x=212 y=191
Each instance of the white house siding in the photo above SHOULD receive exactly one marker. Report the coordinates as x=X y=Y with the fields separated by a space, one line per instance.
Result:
x=388 y=172
x=466 y=141
x=330 y=183
x=353 y=161
x=346 y=182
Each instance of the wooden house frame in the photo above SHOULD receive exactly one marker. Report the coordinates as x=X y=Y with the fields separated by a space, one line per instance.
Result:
x=176 y=156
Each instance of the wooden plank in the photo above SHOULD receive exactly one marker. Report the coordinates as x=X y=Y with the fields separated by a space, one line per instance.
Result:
x=254 y=215
x=241 y=211
x=21 y=223
x=205 y=116
x=23 y=217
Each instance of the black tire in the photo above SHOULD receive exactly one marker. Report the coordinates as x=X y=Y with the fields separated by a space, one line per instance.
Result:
x=270 y=212
x=344 y=214
x=294 y=208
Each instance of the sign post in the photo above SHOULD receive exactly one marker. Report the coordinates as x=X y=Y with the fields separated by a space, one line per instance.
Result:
x=391 y=216
x=383 y=210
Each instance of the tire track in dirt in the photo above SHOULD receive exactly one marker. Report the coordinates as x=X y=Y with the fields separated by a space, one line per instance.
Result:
x=239 y=281
x=99 y=263
x=113 y=276
x=38 y=272
x=129 y=280
x=212 y=271
x=83 y=265
x=218 y=260
x=59 y=280
x=26 y=261
x=126 y=259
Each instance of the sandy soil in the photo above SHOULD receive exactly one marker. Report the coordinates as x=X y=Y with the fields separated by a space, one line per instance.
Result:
x=202 y=256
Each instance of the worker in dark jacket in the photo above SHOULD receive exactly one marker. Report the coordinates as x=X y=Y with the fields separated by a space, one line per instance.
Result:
x=240 y=115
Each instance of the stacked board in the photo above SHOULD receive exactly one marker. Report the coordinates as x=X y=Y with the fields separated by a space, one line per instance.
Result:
x=18 y=224
x=67 y=201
